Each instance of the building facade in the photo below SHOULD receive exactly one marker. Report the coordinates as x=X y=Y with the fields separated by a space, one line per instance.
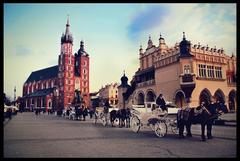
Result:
x=55 y=86
x=110 y=93
x=185 y=74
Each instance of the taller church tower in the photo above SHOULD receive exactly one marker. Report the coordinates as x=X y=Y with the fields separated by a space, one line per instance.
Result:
x=66 y=69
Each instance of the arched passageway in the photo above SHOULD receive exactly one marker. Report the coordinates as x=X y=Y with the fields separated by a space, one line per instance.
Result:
x=205 y=96
x=180 y=99
x=140 y=99
x=150 y=96
x=219 y=96
x=232 y=100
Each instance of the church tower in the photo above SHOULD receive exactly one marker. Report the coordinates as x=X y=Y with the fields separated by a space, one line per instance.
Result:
x=66 y=69
x=121 y=90
x=81 y=72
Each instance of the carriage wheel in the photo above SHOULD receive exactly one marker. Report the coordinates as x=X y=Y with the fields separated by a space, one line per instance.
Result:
x=174 y=127
x=135 y=124
x=160 y=129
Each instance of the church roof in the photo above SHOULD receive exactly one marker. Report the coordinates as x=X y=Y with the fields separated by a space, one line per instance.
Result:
x=43 y=74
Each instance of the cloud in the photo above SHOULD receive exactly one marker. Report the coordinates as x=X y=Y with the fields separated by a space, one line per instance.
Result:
x=146 y=19
x=212 y=24
x=22 y=50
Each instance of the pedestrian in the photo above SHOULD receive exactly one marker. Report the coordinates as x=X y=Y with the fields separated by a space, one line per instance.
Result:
x=91 y=112
x=9 y=113
x=36 y=111
x=161 y=102
x=48 y=111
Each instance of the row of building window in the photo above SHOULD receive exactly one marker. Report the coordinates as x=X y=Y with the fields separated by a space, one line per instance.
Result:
x=84 y=63
x=209 y=71
x=70 y=61
x=37 y=102
x=167 y=61
x=39 y=86
x=161 y=60
x=70 y=82
x=210 y=58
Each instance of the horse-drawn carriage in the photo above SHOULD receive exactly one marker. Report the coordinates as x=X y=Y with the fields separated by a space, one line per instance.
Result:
x=151 y=115
x=102 y=116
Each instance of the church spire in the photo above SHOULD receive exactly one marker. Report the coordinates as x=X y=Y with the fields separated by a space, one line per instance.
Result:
x=68 y=20
x=67 y=37
x=161 y=39
x=184 y=38
x=67 y=27
x=150 y=43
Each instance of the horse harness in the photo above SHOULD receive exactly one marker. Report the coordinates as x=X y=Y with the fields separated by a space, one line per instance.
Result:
x=203 y=108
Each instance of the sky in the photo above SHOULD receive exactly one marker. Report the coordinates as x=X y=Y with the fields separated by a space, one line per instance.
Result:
x=112 y=35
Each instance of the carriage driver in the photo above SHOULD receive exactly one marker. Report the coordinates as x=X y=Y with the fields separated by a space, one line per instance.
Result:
x=106 y=107
x=162 y=104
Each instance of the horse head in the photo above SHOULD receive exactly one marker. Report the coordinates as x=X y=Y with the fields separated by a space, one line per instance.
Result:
x=222 y=108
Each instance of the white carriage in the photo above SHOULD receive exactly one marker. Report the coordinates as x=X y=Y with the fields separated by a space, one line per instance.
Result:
x=104 y=118
x=100 y=115
x=151 y=115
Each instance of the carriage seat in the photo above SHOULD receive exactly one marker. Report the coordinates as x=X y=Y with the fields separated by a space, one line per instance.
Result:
x=159 y=112
x=99 y=109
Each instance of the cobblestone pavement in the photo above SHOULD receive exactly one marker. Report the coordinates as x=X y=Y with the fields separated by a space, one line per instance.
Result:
x=27 y=135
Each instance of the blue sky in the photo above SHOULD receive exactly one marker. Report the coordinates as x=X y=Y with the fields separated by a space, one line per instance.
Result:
x=112 y=34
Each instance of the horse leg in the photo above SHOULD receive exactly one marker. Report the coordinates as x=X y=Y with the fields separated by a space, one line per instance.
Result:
x=188 y=127
x=84 y=117
x=209 y=129
x=112 y=118
x=127 y=123
x=120 y=122
x=181 y=128
x=203 y=131
x=95 y=118
x=112 y=122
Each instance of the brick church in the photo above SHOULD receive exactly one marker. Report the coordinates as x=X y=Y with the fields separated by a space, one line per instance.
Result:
x=54 y=87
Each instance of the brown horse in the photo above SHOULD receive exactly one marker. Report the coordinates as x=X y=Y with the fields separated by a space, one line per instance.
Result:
x=187 y=117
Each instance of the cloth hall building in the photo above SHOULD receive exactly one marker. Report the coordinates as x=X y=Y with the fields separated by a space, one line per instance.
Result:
x=185 y=74
x=54 y=87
